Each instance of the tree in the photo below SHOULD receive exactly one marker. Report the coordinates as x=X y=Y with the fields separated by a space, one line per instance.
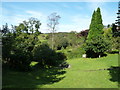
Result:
x=108 y=33
x=116 y=37
x=7 y=41
x=116 y=43
x=34 y=25
x=21 y=55
x=30 y=26
x=108 y=37
x=96 y=45
x=37 y=26
x=116 y=32
x=5 y=29
x=83 y=33
x=19 y=43
x=52 y=24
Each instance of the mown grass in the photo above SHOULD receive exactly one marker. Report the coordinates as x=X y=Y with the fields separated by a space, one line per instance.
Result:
x=74 y=77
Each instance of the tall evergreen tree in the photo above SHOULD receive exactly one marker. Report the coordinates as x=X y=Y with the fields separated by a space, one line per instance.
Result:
x=99 y=22
x=95 y=43
x=92 y=25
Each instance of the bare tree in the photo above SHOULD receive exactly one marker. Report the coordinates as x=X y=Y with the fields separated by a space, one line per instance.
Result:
x=52 y=24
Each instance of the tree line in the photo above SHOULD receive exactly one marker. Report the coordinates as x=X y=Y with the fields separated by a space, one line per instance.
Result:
x=21 y=44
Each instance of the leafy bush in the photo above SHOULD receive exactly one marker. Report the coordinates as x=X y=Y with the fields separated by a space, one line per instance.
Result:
x=19 y=49
x=75 y=53
x=20 y=60
x=47 y=57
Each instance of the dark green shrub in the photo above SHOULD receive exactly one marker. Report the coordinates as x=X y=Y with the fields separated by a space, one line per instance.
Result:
x=47 y=57
x=20 y=60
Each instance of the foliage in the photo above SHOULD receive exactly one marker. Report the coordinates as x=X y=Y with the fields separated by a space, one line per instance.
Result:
x=112 y=37
x=72 y=39
x=83 y=33
x=108 y=35
x=20 y=54
x=60 y=41
x=116 y=43
x=96 y=47
x=30 y=26
x=74 y=52
x=4 y=29
x=96 y=44
x=18 y=45
x=116 y=32
x=7 y=46
x=116 y=37
x=64 y=40
x=47 y=57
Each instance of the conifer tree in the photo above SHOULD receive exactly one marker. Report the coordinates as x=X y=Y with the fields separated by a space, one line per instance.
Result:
x=95 y=43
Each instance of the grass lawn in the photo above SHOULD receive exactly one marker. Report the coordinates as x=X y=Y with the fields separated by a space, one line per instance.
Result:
x=77 y=76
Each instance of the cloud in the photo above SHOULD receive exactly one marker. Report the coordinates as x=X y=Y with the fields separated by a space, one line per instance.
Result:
x=77 y=23
x=34 y=14
x=19 y=18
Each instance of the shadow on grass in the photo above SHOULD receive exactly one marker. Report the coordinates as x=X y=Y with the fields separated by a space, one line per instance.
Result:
x=115 y=74
x=114 y=52
x=95 y=55
x=33 y=79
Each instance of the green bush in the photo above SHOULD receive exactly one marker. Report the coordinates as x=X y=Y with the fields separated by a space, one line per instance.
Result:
x=20 y=60
x=75 y=53
x=47 y=57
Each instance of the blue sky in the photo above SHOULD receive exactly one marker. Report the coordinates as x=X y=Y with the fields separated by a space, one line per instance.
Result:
x=75 y=16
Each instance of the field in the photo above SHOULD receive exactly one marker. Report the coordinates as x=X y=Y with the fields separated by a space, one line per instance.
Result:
x=83 y=73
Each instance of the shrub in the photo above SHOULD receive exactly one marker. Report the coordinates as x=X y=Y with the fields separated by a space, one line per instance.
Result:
x=75 y=53
x=47 y=57
x=20 y=60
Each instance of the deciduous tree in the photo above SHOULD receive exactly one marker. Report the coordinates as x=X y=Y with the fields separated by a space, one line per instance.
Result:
x=52 y=24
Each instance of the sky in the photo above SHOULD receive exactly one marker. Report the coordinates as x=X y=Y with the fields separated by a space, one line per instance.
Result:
x=75 y=16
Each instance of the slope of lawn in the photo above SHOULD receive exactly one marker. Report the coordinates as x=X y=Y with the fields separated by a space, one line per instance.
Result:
x=79 y=75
